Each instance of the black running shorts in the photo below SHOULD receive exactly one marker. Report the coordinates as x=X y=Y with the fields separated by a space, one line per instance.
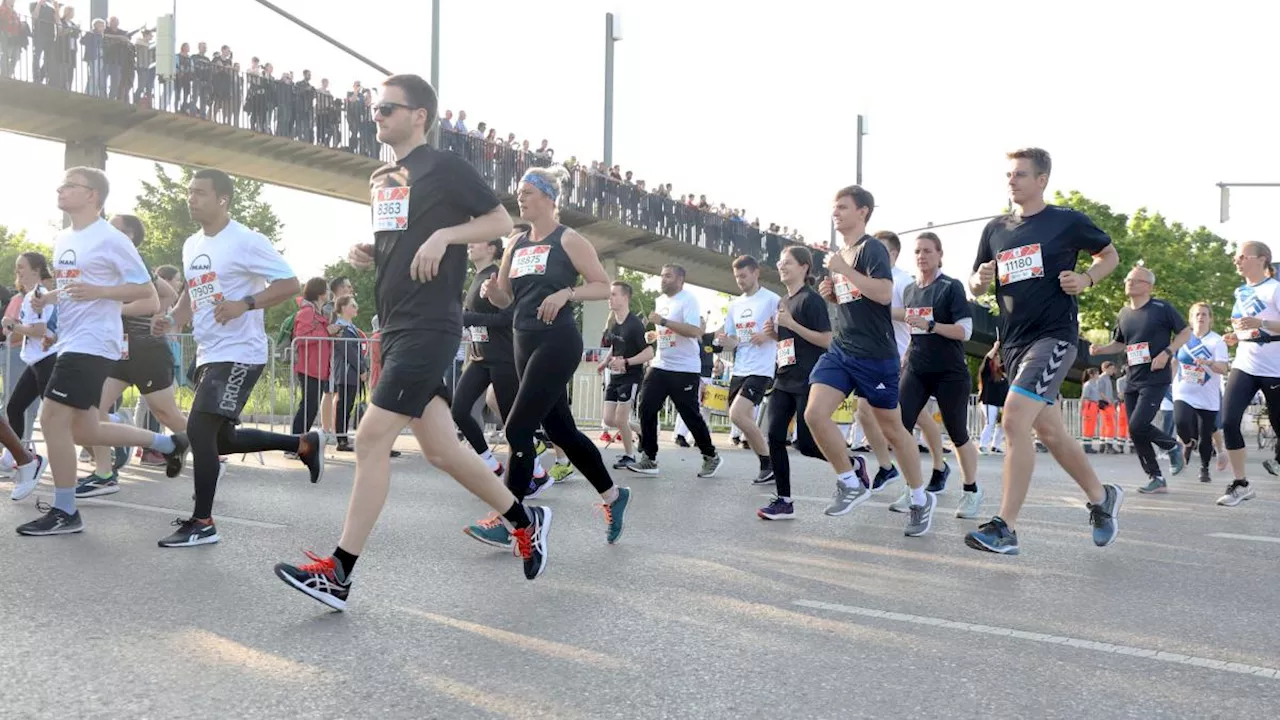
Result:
x=624 y=392
x=414 y=363
x=77 y=380
x=149 y=367
x=751 y=387
x=223 y=388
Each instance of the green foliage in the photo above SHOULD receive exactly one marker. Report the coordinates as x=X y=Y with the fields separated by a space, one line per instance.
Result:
x=643 y=300
x=1190 y=265
x=162 y=207
x=362 y=283
x=11 y=246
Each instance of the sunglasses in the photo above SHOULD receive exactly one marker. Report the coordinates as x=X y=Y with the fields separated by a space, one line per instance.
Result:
x=387 y=109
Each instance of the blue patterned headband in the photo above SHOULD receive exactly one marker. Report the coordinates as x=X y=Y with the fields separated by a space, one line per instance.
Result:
x=542 y=184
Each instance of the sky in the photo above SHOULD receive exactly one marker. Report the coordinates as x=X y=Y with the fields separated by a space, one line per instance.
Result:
x=1141 y=103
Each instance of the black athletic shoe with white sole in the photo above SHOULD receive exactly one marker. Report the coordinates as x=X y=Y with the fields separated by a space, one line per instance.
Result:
x=190 y=533
x=53 y=522
x=531 y=542
x=313 y=458
x=322 y=579
x=174 y=461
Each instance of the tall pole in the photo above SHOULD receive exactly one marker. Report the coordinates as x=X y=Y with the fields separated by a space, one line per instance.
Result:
x=861 y=132
x=608 y=89
x=433 y=136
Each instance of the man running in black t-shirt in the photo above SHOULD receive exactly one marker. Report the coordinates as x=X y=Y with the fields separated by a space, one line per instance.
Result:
x=628 y=353
x=427 y=205
x=1150 y=333
x=1031 y=256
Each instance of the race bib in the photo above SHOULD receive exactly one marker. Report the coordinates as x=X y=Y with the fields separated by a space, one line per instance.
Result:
x=745 y=329
x=66 y=276
x=1250 y=334
x=530 y=260
x=1022 y=263
x=845 y=291
x=478 y=333
x=124 y=348
x=666 y=338
x=205 y=290
x=786 y=352
x=1195 y=374
x=926 y=313
x=1138 y=353
x=390 y=209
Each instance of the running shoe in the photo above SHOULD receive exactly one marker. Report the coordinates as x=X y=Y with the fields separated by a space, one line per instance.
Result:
x=624 y=462
x=1157 y=485
x=848 y=497
x=151 y=458
x=491 y=531
x=174 y=461
x=562 y=472
x=884 y=476
x=322 y=579
x=500 y=471
x=777 y=509
x=993 y=536
x=615 y=513
x=120 y=457
x=737 y=442
x=938 y=481
x=1271 y=466
x=190 y=533
x=1103 y=515
x=765 y=477
x=313 y=456
x=605 y=437
x=539 y=484
x=997 y=451
x=96 y=485
x=531 y=541
x=710 y=464
x=921 y=516
x=27 y=477
x=681 y=441
x=539 y=447
x=1237 y=492
x=982 y=450
x=903 y=503
x=1205 y=476
x=7 y=463
x=1177 y=463
x=863 y=448
x=970 y=504
x=53 y=522
x=1188 y=449
x=645 y=466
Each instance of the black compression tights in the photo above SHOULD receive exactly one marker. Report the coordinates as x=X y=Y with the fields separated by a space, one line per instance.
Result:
x=471 y=386
x=213 y=435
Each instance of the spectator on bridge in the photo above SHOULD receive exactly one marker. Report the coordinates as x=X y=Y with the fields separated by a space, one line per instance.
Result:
x=285 y=102
x=95 y=42
x=304 y=96
x=183 y=79
x=63 y=68
x=13 y=38
x=144 y=49
x=328 y=115
x=446 y=122
x=115 y=46
x=44 y=30
x=461 y=126
x=220 y=97
x=202 y=76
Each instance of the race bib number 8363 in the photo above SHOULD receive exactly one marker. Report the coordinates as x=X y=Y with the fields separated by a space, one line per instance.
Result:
x=390 y=209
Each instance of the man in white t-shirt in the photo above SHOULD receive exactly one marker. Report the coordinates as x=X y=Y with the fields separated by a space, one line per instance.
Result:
x=233 y=274
x=97 y=269
x=674 y=373
x=754 y=357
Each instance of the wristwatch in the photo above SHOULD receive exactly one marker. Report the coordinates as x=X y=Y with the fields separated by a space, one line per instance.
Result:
x=250 y=302
x=932 y=325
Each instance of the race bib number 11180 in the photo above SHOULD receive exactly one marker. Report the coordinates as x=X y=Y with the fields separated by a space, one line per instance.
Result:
x=1021 y=263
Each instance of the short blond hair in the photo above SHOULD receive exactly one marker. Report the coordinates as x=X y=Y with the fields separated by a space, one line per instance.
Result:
x=95 y=179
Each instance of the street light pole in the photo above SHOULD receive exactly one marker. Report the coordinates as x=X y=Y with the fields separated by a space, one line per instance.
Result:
x=612 y=34
x=857 y=173
x=433 y=135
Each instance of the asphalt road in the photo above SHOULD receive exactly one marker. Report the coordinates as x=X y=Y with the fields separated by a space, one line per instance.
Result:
x=701 y=610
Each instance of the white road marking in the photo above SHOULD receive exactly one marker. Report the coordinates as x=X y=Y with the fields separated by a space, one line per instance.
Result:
x=1145 y=653
x=227 y=519
x=1251 y=538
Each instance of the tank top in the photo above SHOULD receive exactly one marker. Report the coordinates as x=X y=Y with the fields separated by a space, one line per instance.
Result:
x=537 y=270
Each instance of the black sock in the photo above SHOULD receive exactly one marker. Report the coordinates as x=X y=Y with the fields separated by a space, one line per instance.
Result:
x=517 y=515
x=765 y=463
x=346 y=560
x=971 y=487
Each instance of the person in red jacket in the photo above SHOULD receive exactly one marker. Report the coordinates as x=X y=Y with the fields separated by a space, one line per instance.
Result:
x=313 y=352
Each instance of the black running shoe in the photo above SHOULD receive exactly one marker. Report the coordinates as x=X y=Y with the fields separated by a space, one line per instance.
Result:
x=531 y=541
x=120 y=457
x=95 y=485
x=681 y=442
x=938 y=481
x=765 y=477
x=322 y=579
x=190 y=533
x=313 y=458
x=53 y=522
x=884 y=476
x=174 y=461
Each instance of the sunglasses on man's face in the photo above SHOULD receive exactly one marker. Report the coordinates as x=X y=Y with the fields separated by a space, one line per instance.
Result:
x=387 y=109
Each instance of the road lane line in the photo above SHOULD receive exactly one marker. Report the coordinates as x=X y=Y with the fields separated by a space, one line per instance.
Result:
x=228 y=519
x=1146 y=653
x=1251 y=538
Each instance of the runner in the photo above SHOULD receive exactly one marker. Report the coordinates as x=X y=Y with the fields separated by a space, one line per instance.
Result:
x=993 y=386
x=803 y=331
x=37 y=330
x=941 y=322
x=425 y=205
x=1255 y=318
x=97 y=269
x=224 y=261
x=1031 y=256
x=629 y=352
x=1197 y=398
x=754 y=357
x=862 y=359
x=146 y=364
x=673 y=374
x=539 y=278
x=1150 y=332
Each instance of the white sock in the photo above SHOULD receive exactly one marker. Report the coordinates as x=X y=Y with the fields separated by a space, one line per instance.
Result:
x=917 y=496
x=113 y=417
x=848 y=479
x=490 y=460
x=784 y=499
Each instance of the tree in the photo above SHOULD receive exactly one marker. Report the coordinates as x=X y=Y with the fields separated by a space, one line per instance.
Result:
x=162 y=207
x=11 y=246
x=1190 y=265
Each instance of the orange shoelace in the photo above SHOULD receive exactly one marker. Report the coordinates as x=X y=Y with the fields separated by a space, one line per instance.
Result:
x=523 y=542
x=321 y=566
x=493 y=521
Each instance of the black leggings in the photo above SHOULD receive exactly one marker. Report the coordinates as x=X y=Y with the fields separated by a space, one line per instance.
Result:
x=952 y=391
x=682 y=388
x=30 y=388
x=545 y=363
x=1198 y=425
x=1241 y=387
x=475 y=380
x=312 y=391
x=1141 y=405
x=347 y=396
x=784 y=405
x=213 y=435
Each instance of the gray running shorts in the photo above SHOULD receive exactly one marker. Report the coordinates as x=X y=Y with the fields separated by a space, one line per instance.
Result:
x=1037 y=370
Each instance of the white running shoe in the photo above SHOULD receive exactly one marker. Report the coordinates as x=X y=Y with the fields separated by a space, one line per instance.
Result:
x=28 y=477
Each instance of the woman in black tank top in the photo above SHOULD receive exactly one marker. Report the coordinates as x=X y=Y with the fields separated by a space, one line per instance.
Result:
x=539 y=276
